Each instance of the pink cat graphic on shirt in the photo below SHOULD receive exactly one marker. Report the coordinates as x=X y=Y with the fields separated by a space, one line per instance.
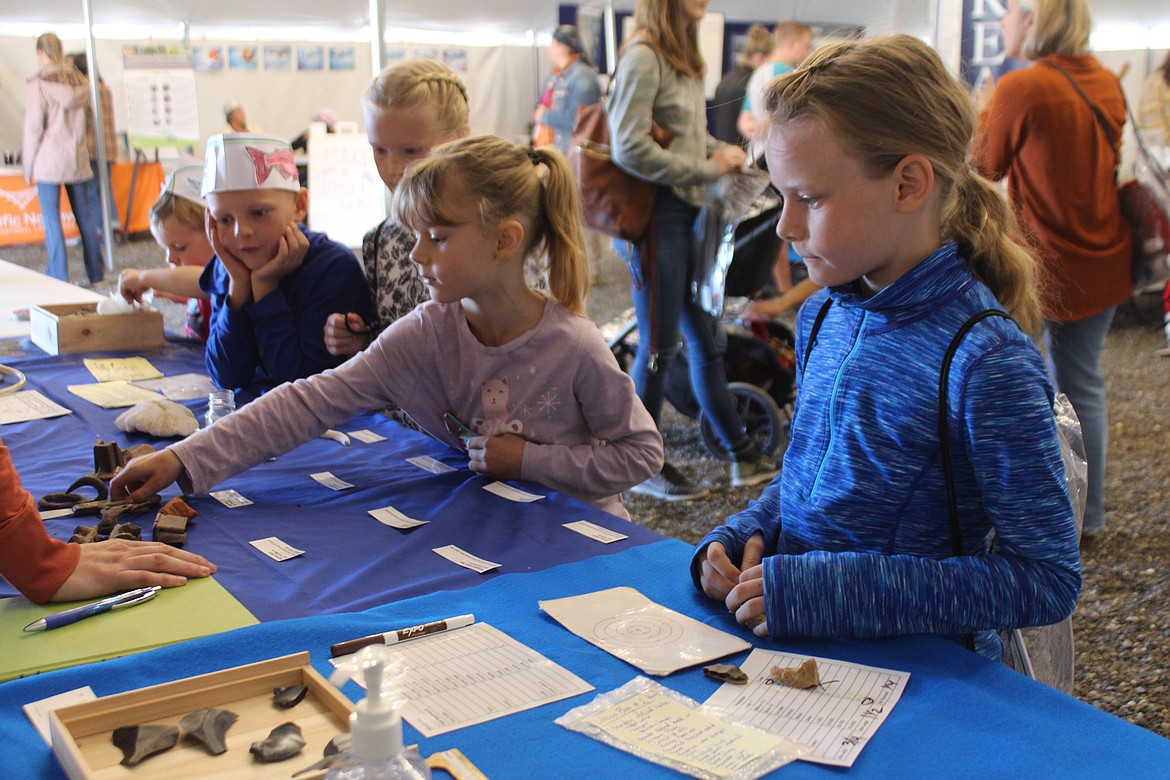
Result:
x=494 y=395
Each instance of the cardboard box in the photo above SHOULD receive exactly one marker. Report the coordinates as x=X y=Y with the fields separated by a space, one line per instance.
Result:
x=77 y=327
x=82 y=733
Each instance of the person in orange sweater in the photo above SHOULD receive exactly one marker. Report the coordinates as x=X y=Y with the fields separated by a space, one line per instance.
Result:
x=1040 y=131
x=46 y=569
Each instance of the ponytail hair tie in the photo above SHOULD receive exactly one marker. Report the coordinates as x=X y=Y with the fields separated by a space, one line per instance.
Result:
x=534 y=156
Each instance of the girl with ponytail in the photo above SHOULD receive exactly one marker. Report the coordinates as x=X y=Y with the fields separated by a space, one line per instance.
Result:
x=868 y=142
x=538 y=392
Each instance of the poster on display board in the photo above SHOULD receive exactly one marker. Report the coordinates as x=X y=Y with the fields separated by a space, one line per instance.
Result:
x=347 y=198
x=160 y=88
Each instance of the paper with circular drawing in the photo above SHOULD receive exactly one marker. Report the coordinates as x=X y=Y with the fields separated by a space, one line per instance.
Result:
x=657 y=640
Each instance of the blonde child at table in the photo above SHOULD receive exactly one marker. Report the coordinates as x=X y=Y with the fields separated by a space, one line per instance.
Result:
x=868 y=143
x=177 y=222
x=409 y=108
x=530 y=374
x=275 y=283
x=46 y=569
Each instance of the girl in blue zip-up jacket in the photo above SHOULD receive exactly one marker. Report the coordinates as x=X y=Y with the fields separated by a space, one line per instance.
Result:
x=868 y=143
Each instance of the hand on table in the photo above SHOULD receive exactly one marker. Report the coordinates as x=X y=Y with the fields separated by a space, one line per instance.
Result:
x=496 y=456
x=146 y=475
x=741 y=588
x=117 y=565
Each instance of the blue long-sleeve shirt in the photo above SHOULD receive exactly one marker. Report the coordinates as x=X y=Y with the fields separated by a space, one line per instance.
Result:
x=856 y=527
x=281 y=337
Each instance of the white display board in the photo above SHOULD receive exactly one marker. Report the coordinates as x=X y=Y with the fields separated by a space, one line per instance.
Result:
x=346 y=196
x=162 y=108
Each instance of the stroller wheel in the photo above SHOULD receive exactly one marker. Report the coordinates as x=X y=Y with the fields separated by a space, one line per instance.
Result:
x=766 y=423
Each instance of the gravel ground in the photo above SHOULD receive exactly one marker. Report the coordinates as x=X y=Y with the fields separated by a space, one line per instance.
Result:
x=1122 y=624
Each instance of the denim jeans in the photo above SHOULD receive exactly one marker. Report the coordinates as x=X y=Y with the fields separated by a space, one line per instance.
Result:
x=80 y=201
x=663 y=302
x=96 y=199
x=1074 y=360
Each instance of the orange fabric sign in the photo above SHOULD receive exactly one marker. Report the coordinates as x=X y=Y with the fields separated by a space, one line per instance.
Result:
x=20 y=213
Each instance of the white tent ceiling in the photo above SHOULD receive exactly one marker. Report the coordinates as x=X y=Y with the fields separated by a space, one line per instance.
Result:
x=504 y=16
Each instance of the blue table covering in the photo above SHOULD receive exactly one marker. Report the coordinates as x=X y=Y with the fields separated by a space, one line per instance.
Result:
x=352 y=561
x=960 y=715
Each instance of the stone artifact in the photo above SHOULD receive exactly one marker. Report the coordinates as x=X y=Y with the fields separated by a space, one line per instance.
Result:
x=209 y=725
x=803 y=676
x=290 y=696
x=728 y=673
x=285 y=741
x=139 y=742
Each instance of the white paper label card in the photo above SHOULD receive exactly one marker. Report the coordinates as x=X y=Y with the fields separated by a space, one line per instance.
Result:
x=230 y=498
x=369 y=437
x=836 y=719
x=28 y=405
x=626 y=624
x=390 y=516
x=38 y=711
x=328 y=480
x=465 y=559
x=604 y=535
x=427 y=463
x=276 y=549
x=512 y=494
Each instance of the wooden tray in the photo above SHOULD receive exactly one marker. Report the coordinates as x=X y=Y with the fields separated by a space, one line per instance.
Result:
x=82 y=733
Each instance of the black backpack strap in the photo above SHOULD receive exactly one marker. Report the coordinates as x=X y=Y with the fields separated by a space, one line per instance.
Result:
x=812 y=334
x=943 y=432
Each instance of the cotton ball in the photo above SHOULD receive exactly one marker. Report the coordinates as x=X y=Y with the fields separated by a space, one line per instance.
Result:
x=158 y=417
x=114 y=305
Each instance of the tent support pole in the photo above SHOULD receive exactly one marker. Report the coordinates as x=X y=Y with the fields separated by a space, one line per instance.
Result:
x=102 y=171
x=377 y=35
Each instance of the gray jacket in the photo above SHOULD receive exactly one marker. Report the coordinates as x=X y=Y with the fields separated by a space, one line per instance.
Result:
x=644 y=89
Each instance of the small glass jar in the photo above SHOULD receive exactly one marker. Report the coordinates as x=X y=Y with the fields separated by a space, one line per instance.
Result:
x=220 y=403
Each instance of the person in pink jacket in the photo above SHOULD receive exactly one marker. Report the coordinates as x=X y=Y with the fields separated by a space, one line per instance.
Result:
x=55 y=153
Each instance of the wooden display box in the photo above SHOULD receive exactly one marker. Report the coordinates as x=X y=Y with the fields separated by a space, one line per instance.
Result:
x=82 y=733
x=77 y=327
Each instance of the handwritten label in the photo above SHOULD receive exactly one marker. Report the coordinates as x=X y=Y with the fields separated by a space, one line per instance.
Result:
x=368 y=437
x=126 y=369
x=465 y=559
x=230 y=498
x=276 y=549
x=390 y=516
x=328 y=480
x=427 y=463
x=653 y=722
x=603 y=535
x=28 y=405
x=512 y=494
x=836 y=719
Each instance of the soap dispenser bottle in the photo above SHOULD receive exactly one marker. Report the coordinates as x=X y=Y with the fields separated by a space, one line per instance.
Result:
x=376 y=752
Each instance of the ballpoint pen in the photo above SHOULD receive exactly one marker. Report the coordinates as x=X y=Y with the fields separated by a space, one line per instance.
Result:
x=401 y=635
x=68 y=616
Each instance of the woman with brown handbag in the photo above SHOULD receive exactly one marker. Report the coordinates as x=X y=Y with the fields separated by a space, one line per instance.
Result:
x=660 y=81
x=1067 y=201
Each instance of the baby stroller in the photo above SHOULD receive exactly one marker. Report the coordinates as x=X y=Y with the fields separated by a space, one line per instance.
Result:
x=739 y=247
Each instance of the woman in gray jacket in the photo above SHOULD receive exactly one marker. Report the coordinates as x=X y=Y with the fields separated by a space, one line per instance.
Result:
x=660 y=79
x=55 y=153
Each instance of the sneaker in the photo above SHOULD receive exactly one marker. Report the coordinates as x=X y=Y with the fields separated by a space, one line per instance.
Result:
x=745 y=473
x=669 y=485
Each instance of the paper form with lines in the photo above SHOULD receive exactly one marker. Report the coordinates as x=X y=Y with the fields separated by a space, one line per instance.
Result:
x=836 y=718
x=472 y=675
